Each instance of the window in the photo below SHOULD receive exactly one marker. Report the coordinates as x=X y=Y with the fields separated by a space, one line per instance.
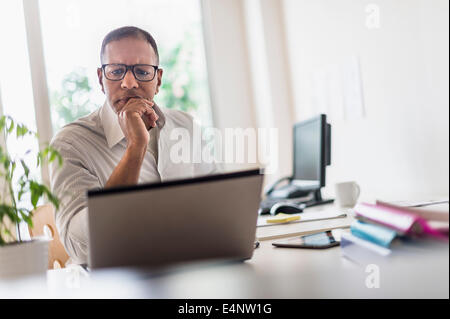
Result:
x=72 y=34
x=16 y=92
x=15 y=81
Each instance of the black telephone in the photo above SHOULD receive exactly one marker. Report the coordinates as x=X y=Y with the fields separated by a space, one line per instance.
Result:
x=286 y=191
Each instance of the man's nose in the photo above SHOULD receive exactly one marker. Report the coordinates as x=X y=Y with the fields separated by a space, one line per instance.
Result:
x=129 y=81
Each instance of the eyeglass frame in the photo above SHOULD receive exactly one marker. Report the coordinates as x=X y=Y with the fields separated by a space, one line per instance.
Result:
x=130 y=67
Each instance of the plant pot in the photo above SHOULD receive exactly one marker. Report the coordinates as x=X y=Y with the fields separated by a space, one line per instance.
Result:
x=28 y=258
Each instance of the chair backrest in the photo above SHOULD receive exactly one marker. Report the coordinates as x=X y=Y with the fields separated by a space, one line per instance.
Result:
x=44 y=225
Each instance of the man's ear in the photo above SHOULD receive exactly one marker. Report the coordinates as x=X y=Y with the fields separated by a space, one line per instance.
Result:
x=100 y=78
x=159 y=78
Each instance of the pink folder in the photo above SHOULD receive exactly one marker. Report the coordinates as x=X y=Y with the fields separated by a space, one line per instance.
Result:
x=401 y=220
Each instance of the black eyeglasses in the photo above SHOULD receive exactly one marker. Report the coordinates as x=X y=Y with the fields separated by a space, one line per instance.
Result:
x=141 y=72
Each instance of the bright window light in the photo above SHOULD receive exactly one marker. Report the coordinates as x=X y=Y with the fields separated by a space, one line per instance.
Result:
x=73 y=31
x=16 y=90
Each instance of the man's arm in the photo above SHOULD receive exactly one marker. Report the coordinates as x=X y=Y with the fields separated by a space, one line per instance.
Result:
x=129 y=167
x=70 y=183
x=135 y=119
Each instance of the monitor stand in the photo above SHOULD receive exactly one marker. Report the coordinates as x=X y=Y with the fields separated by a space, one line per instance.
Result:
x=317 y=199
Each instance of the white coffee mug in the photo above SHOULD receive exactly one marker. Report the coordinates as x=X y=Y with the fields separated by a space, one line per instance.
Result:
x=347 y=193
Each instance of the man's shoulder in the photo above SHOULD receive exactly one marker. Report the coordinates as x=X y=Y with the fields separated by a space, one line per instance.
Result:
x=79 y=130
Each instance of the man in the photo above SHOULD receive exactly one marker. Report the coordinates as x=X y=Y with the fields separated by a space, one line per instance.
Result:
x=125 y=142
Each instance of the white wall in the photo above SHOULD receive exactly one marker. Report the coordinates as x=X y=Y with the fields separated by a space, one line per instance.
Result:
x=247 y=68
x=400 y=148
x=228 y=69
x=269 y=68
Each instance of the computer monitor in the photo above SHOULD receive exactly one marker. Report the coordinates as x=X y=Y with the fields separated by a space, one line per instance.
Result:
x=312 y=153
x=312 y=143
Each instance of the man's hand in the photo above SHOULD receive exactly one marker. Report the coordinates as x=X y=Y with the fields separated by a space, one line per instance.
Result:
x=135 y=119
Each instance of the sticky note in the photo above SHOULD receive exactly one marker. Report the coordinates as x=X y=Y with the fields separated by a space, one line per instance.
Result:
x=282 y=218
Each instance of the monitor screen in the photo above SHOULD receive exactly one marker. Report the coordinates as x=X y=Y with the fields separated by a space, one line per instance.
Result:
x=309 y=142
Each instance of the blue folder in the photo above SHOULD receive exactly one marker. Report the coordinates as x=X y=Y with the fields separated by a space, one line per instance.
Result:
x=374 y=233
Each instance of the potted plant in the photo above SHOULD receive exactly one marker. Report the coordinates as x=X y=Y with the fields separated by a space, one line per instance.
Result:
x=20 y=193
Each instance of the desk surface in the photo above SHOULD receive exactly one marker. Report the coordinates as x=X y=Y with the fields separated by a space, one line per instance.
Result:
x=271 y=273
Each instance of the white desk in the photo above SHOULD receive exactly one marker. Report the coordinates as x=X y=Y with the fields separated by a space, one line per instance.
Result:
x=271 y=273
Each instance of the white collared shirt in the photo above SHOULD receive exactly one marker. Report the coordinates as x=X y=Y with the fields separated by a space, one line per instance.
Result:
x=91 y=148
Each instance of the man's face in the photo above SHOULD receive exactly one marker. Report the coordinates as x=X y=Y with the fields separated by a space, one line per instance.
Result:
x=128 y=51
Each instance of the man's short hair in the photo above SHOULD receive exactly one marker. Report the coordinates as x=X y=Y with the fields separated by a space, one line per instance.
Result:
x=128 y=32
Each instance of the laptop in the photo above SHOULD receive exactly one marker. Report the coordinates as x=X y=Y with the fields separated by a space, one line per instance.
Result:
x=204 y=218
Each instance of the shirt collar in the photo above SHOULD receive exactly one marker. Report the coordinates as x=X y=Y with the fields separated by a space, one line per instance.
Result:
x=111 y=127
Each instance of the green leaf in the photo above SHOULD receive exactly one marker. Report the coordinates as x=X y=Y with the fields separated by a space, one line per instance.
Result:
x=11 y=126
x=52 y=156
x=12 y=169
x=25 y=168
x=26 y=217
x=34 y=197
x=10 y=212
x=6 y=163
x=36 y=193
x=21 y=130
x=2 y=122
x=19 y=195
x=53 y=199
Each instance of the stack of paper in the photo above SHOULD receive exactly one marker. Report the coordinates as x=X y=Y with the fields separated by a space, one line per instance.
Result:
x=306 y=223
